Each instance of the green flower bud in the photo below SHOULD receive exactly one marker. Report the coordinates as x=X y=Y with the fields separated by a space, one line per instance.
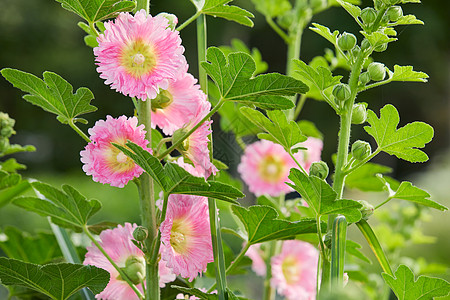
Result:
x=140 y=233
x=394 y=13
x=346 y=41
x=4 y=144
x=377 y=71
x=177 y=135
x=341 y=92
x=173 y=20
x=364 y=78
x=368 y=15
x=366 y=209
x=285 y=20
x=391 y=2
x=355 y=51
x=318 y=4
x=380 y=48
x=319 y=169
x=6 y=125
x=134 y=269
x=162 y=100
x=359 y=113
x=365 y=45
x=361 y=149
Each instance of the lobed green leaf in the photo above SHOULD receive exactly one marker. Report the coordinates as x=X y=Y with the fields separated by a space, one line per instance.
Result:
x=221 y=9
x=364 y=178
x=57 y=281
x=53 y=94
x=321 y=77
x=272 y=8
x=402 y=142
x=97 y=10
x=377 y=38
x=406 y=73
x=407 y=191
x=262 y=224
x=406 y=287
x=325 y=32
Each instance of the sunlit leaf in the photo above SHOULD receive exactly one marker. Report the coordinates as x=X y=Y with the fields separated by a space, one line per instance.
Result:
x=406 y=73
x=97 y=10
x=221 y=9
x=272 y=8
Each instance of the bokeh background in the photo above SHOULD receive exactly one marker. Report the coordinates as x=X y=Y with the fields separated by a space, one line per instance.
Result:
x=38 y=35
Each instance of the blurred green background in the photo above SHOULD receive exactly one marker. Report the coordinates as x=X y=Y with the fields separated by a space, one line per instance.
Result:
x=38 y=35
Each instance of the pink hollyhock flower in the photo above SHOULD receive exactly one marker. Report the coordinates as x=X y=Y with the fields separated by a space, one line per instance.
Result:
x=106 y=163
x=195 y=147
x=197 y=171
x=118 y=245
x=294 y=270
x=177 y=105
x=138 y=54
x=185 y=235
x=311 y=154
x=258 y=263
x=264 y=167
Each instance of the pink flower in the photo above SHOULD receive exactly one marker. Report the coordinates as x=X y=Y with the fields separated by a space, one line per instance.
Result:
x=197 y=171
x=258 y=263
x=264 y=167
x=311 y=154
x=177 y=105
x=185 y=235
x=138 y=54
x=106 y=163
x=294 y=270
x=118 y=245
x=195 y=147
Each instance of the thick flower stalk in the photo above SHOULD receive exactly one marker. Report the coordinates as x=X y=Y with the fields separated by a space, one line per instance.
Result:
x=138 y=55
x=103 y=160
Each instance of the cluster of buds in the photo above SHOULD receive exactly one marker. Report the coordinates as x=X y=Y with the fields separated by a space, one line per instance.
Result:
x=6 y=131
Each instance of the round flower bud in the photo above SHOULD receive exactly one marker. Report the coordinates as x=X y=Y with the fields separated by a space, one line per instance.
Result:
x=376 y=71
x=346 y=41
x=361 y=149
x=394 y=13
x=368 y=15
x=341 y=92
x=135 y=269
x=173 y=20
x=365 y=44
x=355 y=51
x=319 y=169
x=380 y=48
x=140 y=233
x=359 y=113
x=364 y=78
x=366 y=209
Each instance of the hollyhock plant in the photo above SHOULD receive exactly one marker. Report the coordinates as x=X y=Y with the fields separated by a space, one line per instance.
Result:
x=185 y=235
x=195 y=147
x=176 y=106
x=294 y=270
x=138 y=54
x=106 y=163
x=118 y=245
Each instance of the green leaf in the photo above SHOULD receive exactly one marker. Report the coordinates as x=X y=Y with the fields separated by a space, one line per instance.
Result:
x=11 y=166
x=321 y=197
x=97 y=10
x=67 y=208
x=262 y=224
x=407 y=20
x=58 y=281
x=352 y=248
x=364 y=178
x=38 y=249
x=353 y=10
x=402 y=142
x=196 y=292
x=287 y=134
x=14 y=148
x=308 y=128
x=220 y=8
x=377 y=38
x=321 y=77
x=231 y=119
x=272 y=8
x=53 y=95
x=409 y=192
x=406 y=287
x=238 y=46
x=173 y=179
x=232 y=75
x=325 y=32
x=11 y=186
x=406 y=73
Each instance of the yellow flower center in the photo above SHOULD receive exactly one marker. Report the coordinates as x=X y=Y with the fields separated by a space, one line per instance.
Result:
x=138 y=58
x=291 y=269
x=117 y=160
x=179 y=236
x=272 y=168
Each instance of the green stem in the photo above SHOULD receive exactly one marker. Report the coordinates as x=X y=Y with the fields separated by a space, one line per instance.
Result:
x=338 y=239
x=189 y=21
x=376 y=24
x=142 y=4
x=383 y=203
x=93 y=29
x=374 y=244
x=78 y=130
x=157 y=243
x=202 y=44
x=299 y=107
x=296 y=162
x=294 y=44
x=148 y=207
x=362 y=162
x=376 y=84
x=161 y=143
x=119 y=270
x=278 y=30
x=187 y=134
x=273 y=249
